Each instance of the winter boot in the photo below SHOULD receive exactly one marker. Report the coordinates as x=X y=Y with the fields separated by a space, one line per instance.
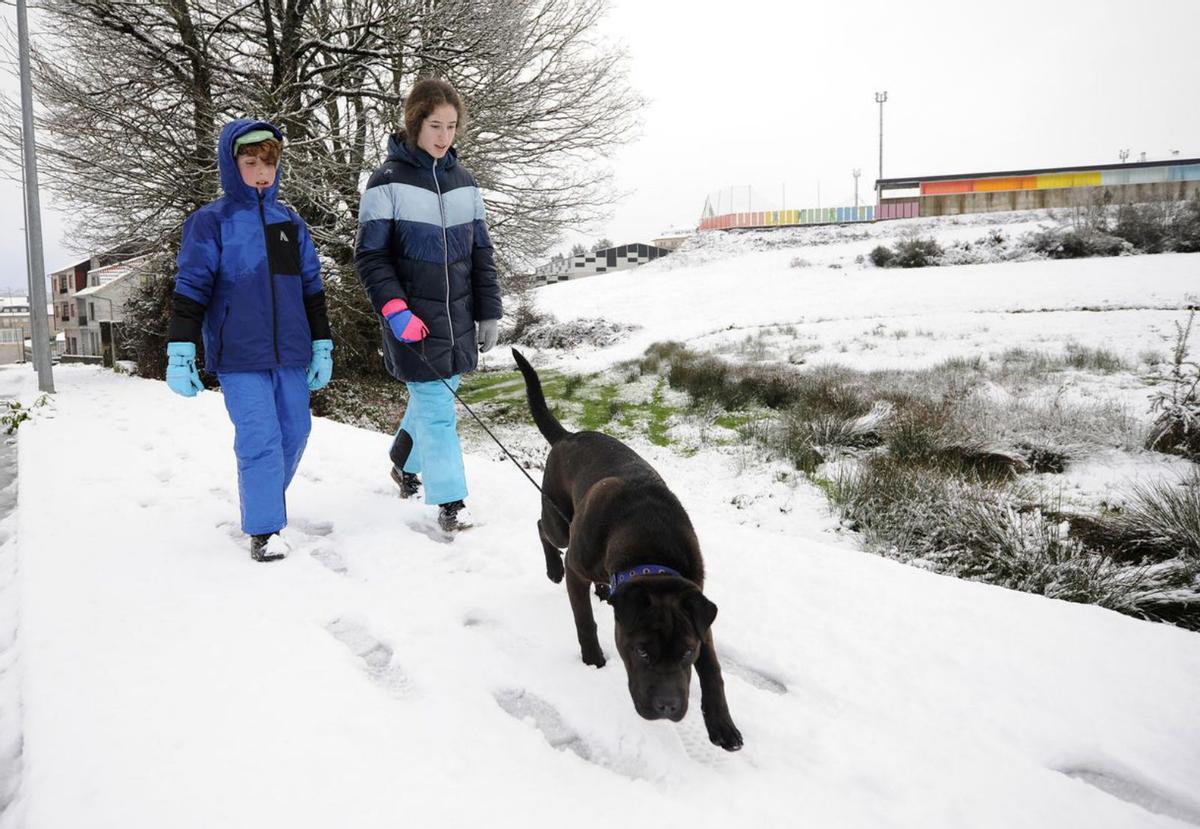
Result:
x=408 y=482
x=262 y=548
x=451 y=517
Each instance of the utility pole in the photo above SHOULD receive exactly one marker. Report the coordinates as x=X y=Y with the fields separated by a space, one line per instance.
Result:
x=857 y=173
x=1124 y=155
x=880 y=98
x=33 y=216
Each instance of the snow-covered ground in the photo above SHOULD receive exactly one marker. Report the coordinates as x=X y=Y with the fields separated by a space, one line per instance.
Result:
x=728 y=287
x=377 y=677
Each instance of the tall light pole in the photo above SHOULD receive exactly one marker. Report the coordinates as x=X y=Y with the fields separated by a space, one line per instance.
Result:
x=33 y=216
x=880 y=98
x=857 y=172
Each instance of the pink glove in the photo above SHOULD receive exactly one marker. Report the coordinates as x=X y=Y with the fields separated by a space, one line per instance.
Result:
x=406 y=326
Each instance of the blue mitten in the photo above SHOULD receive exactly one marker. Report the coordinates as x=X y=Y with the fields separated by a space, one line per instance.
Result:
x=321 y=367
x=182 y=376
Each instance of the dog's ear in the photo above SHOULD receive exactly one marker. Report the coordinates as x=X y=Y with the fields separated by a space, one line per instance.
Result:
x=700 y=609
x=628 y=604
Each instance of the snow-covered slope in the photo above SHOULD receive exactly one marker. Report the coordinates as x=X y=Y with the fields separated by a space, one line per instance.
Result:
x=729 y=286
x=379 y=678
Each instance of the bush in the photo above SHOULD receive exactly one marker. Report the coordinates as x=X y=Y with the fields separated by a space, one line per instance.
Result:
x=1147 y=227
x=882 y=256
x=1097 y=359
x=916 y=252
x=1185 y=229
x=978 y=531
x=1163 y=520
x=1076 y=243
x=1176 y=430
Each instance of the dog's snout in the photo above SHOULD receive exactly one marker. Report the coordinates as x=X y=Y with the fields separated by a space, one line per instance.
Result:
x=669 y=707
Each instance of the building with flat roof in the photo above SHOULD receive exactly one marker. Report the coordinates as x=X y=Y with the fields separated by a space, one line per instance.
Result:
x=949 y=194
x=605 y=260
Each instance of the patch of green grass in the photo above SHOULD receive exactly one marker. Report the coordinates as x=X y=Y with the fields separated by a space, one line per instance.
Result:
x=660 y=413
x=731 y=420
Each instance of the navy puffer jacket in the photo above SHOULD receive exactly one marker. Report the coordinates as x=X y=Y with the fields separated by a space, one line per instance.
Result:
x=422 y=238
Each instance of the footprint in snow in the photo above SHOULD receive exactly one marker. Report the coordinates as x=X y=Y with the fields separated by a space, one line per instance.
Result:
x=693 y=737
x=321 y=528
x=330 y=559
x=1143 y=794
x=376 y=655
x=733 y=663
x=523 y=705
x=526 y=706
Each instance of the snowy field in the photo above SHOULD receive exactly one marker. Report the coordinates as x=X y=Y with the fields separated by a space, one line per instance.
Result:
x=379 y=678
x=729 y=287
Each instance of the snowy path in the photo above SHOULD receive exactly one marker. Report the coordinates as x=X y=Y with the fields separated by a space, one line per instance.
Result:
x=376 y=677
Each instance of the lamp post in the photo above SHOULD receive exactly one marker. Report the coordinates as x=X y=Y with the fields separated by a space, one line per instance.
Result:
x=33 y=215
x=881 y=98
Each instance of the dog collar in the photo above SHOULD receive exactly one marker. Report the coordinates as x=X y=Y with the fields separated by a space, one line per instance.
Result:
x=625 y=576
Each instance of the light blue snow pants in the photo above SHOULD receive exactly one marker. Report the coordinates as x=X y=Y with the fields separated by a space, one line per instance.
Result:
x=432 y=421
x=271 y=422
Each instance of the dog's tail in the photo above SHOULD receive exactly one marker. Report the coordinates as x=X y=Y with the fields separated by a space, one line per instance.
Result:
x=547 y=424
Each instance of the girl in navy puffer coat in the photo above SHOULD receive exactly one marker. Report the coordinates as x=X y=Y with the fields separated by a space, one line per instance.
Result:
x=425 y=258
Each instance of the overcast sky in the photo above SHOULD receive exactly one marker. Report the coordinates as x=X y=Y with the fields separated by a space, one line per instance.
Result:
x=779 y=97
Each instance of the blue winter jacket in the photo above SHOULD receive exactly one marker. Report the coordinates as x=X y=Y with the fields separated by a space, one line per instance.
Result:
x=248 y=269
x=422 y=238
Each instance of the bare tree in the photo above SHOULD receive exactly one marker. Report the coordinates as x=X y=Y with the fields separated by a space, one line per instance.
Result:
x=134 y=92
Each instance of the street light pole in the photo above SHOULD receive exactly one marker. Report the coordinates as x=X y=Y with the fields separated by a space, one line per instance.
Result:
x=33 y=215
x=857 y=173
x=880 y=98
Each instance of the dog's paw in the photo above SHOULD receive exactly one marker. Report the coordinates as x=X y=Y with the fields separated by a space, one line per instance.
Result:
x=554 y=569
x=723 y=732
x=594 y=658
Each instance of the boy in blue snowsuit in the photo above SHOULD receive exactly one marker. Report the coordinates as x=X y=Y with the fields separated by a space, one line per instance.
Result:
x=249 y=283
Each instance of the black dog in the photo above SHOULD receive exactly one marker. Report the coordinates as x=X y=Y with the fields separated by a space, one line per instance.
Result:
x=628 y=534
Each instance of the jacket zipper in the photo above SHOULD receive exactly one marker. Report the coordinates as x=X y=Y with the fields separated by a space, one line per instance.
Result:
x=221 y=336
x=274 y=313
x=445 y=261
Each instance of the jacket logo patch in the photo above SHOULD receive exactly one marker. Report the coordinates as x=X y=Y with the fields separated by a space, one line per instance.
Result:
x=283 y=248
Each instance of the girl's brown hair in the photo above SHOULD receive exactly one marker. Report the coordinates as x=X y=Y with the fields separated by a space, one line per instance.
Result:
x=423 y=99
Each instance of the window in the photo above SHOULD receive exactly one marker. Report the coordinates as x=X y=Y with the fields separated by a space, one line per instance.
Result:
x=91 y=310
x=10 y=335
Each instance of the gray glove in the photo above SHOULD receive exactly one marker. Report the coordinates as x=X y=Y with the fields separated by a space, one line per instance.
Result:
x=487 y=332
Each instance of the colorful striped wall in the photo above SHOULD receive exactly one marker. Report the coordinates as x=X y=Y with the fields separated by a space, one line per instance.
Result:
x=788 y=218
x=1082 y=178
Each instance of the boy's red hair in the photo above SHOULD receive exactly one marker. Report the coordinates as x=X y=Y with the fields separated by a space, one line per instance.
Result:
x=268 y=150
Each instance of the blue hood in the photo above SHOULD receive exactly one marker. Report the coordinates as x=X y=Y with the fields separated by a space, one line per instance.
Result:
x=231 y=179
x=400 y=150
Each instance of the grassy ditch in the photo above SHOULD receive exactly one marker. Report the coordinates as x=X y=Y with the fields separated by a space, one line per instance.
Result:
x=935 y=468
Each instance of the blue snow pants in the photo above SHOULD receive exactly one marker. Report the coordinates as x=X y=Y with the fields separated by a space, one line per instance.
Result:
x=432 y=421
x=271 y=422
